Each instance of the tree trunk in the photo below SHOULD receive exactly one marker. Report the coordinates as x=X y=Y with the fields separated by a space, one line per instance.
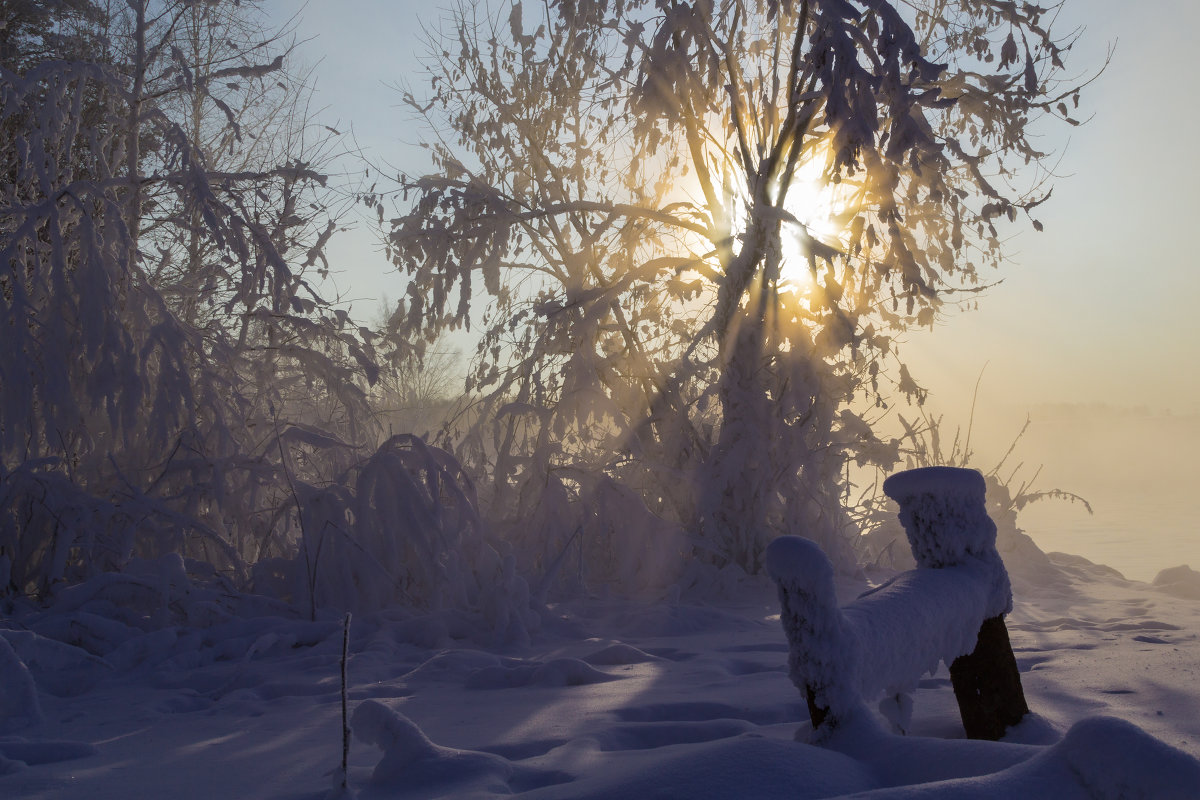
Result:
x=133 y=133
x=987 y=684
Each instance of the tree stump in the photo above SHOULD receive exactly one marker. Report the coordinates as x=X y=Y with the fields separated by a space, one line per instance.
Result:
x=944 y=514
x=987 y=684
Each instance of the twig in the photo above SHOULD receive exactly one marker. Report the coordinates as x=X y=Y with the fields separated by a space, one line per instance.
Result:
x=345 y=718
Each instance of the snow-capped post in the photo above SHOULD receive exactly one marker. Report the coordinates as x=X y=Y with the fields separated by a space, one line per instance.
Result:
x=822 y=651
x=949 y=610
x=944 y=514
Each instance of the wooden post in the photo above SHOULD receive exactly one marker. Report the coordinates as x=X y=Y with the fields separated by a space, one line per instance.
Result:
x=944 y=514
x=987 y=684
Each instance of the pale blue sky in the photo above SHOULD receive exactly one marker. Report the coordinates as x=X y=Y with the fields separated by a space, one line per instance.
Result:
x=1102 y=305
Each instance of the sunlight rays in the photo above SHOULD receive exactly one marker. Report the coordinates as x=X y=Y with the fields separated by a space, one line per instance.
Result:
x=818 y=208
x=822 y=209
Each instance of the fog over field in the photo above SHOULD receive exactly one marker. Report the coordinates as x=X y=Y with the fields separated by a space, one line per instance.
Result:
x=1137 y=469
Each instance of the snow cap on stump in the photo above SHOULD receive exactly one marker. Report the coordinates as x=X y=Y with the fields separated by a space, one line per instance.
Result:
x=943 y=512
x=800 y=562
x=935 y=480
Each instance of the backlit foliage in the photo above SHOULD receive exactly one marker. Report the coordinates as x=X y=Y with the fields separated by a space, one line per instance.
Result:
x=610 y=200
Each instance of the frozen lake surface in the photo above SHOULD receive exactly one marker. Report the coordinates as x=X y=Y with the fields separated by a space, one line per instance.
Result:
x=1139 y=470
x=1136 y=537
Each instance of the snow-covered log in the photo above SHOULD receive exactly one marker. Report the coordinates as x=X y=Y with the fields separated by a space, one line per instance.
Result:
x=949 y=609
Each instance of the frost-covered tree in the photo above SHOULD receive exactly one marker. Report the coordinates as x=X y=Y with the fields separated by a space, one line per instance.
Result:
x=698 y=227
x=163 y=336
x=32 y=31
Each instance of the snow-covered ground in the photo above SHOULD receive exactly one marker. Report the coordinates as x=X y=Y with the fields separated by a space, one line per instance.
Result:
x=612 y=699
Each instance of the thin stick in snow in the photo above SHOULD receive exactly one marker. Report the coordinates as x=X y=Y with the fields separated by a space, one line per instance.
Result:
x=345 y=717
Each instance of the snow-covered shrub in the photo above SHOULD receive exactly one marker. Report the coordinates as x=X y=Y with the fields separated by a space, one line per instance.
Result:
x=53 y=532
x=402 y=528
x=882 y=541
x=336 y=568
x=628 y=547
x=415 y=511
x=156 y=227
x=583 y=532
x=544 y=532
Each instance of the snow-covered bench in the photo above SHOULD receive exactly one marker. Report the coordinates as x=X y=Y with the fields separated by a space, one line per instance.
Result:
x=951 y=608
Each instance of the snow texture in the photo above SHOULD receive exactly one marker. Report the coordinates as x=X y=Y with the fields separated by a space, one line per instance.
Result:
x=19 y=706
x=881 y=643
x=944 y=513
x=824 y=653
x=557 y=672
x=914 y=621
x=414 y=765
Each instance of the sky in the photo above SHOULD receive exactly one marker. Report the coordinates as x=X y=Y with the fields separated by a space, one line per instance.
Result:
x=1091 y=329
x=1099 y=306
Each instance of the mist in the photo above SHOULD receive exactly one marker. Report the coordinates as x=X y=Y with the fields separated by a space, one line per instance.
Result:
x=1137 y=469
x=734 y=348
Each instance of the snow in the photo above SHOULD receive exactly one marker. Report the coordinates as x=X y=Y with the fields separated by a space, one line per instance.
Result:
x=610 y=698
x=1181 y=581
x=917 y=620
x=943 y=512
x=892 y=635
x=19 y=705
x=885 y=640
x=411 y=762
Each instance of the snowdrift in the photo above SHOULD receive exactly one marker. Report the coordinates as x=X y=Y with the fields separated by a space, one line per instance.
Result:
x=106 y=695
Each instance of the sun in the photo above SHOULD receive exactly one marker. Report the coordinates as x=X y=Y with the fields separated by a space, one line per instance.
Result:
x=818 y=208
x=822 y=208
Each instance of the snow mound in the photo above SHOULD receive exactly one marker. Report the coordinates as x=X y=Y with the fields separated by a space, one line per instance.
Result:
x=619 y=654
x=1181 y=581
x=19 y=706
x=748 y=767
x=57 y=667
x=1115 y=759
x=452 y=666
x=412 y=765
x=35 y=753
x=1100 y=758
